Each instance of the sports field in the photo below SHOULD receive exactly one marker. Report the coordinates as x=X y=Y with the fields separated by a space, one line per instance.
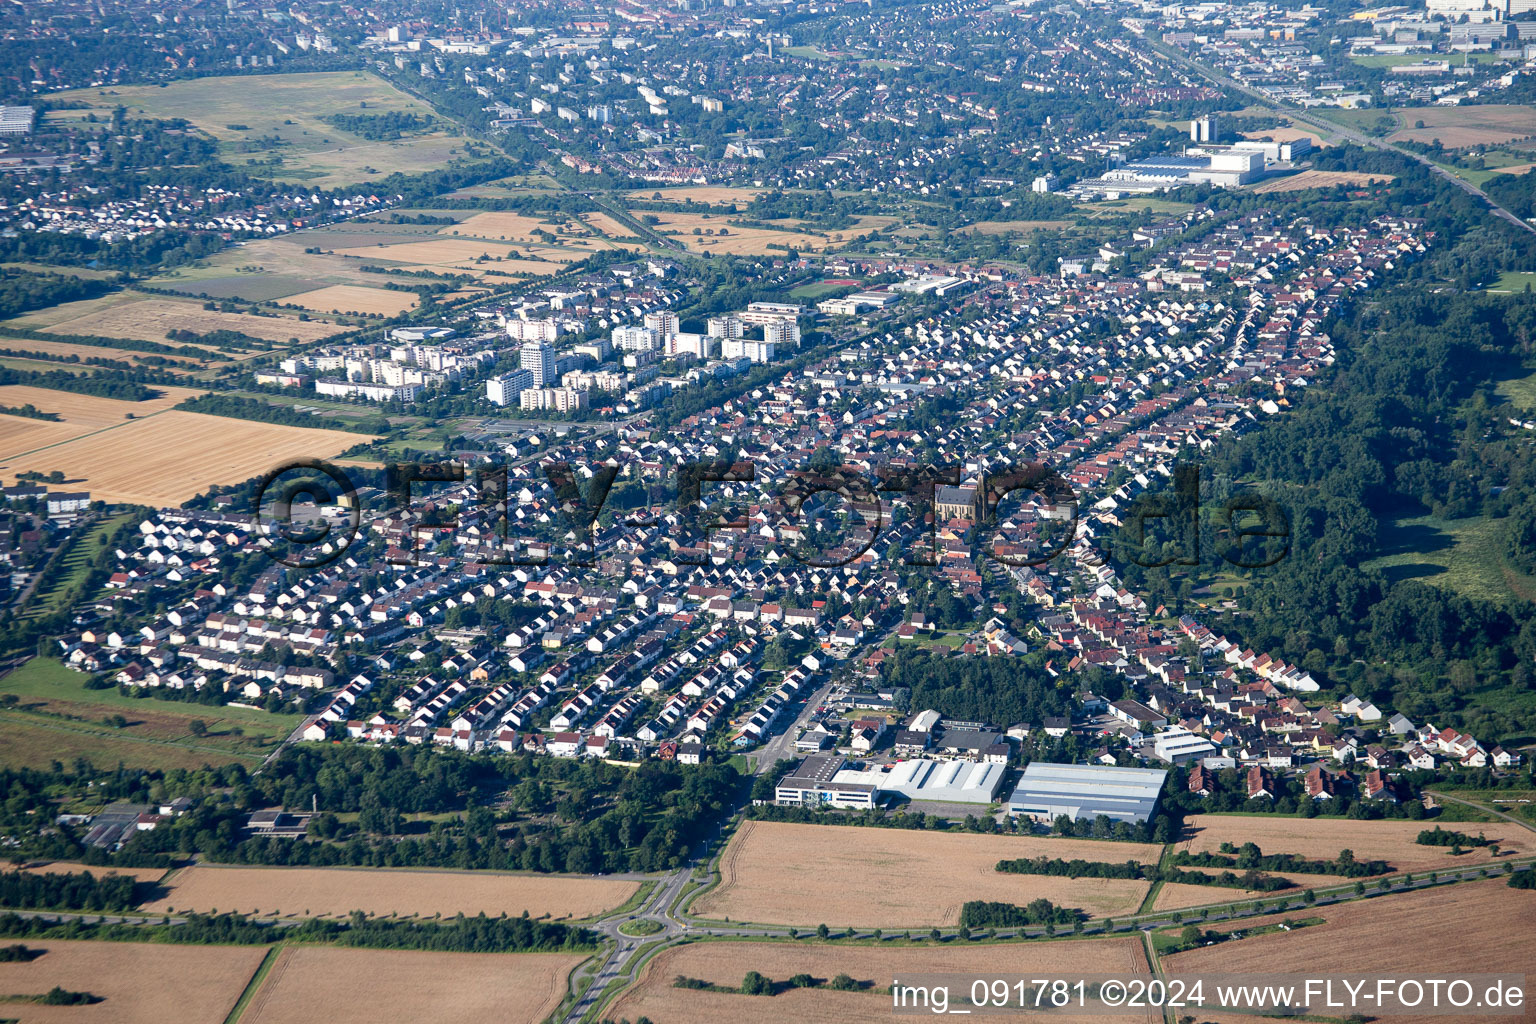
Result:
x=782 y=873
x=317 y=892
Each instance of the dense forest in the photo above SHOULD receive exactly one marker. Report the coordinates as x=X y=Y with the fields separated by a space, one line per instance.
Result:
x=21 y=290
x=515 y=813
x=1409 y=425
x=1002 y=691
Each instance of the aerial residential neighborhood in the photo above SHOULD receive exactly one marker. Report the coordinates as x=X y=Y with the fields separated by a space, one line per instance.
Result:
x=740 y=510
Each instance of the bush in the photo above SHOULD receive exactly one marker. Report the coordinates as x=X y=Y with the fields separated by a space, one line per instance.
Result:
x=754 y=984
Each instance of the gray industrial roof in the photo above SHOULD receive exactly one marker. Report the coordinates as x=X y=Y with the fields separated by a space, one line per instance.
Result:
x=1087 y=791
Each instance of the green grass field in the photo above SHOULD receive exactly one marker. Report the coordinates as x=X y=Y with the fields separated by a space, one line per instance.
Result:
x=74 y=567
x=239 y=111
x=818 y=290
x=1464 y=555
x=56 y=717
x=1514 y=281
x=1370 y=119
x=1520 y=392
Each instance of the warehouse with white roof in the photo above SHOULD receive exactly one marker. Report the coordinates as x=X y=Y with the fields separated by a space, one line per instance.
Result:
x=1085 y=791
x=947 y=782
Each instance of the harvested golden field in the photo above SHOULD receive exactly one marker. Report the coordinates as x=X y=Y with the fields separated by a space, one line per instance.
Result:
x=1177 y=895
x=1321 y=179
x=150 y=319
x=725 y=963
x=69 y=348
x=1489 y=124
x=437 y=251
x=89 y=410
x=1478 y=920
x=1323 y=838
x=65 y=867
x=713 y=195
x=308 y=984
x=736 y=242
x=609 y=226
x=170 y=456
x=141 y=983
x=1285 y=135
x=20 y=434
x=490 y=271
x=314 y=892
x=783 y=873
x=351 y=298
x=509 y=227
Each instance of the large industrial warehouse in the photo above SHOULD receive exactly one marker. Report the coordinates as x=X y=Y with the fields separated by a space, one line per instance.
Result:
x=947 y=782
x=1079 y=791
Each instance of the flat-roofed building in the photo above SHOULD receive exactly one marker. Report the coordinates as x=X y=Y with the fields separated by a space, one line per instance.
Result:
x=814 y=783
x=1083 y=791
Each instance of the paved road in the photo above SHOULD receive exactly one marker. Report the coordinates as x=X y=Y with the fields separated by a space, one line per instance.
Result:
x=1323 y=124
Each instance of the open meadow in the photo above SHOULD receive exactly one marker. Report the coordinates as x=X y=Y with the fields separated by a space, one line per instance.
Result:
x=316 y=892
x=655 y=996
x=1323 y=838
x=140 y=983
x=58 y=719
x=711 y=195
x=256 y=117
x=737 y=241
x=363 y=986
x=783 y=873
x=160 y=459
x=1481 y=124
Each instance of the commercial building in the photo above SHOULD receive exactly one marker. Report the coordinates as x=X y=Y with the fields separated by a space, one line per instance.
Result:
x=1178 y=745
x=1082 y=791
x=947 y=782
x=814 y=783
x=1204 y=129
x=16 y=120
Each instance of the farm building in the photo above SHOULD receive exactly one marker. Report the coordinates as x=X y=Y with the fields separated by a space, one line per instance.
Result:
x=1086 y=791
